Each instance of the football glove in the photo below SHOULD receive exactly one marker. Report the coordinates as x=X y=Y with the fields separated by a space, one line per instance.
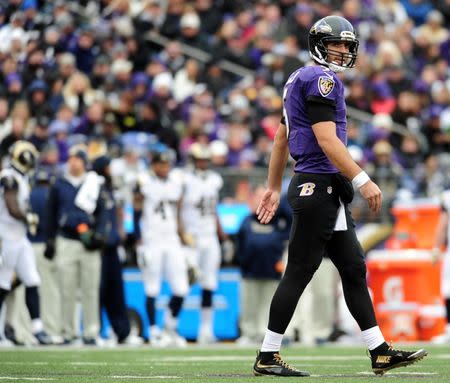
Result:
x=32 y=222
x=49 y=251
x=193 y=274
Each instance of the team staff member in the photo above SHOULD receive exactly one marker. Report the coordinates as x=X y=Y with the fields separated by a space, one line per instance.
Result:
x=74 y=240
x=112 y=296
x=313 y=132
x=15 y=218
x=260 y=251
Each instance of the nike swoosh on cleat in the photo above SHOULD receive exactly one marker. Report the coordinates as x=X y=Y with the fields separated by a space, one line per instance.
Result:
x=418 y=353
x=259 y=365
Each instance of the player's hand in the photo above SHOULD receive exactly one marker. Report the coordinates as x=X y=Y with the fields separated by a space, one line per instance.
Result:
x=268 y=206
x=91 y=241
x=141 y=256
x=372 y=194
x=187 y=239
x=32 y=222
x=49 y=251
x=227 y=248
x=193 y=274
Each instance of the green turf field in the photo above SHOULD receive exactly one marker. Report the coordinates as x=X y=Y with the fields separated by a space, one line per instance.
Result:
x=226 y=363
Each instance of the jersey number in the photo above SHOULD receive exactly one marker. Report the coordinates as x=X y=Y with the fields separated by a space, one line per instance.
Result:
x=206 y=206
x=160 y=209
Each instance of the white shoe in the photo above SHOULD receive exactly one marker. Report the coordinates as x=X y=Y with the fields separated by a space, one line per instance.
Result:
x=177 y=340
x=206 y=337
x=245 y=341
x=160 y=339
x=4 y=342
x=132 y=340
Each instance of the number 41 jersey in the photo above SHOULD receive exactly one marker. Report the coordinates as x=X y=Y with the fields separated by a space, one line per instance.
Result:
x=200 y=197
x=159 y=216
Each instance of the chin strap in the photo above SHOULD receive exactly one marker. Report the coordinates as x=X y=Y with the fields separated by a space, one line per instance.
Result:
x=334 y=67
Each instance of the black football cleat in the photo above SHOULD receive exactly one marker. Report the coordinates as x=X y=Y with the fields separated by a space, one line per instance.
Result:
x=274 y=365
x=43 y=338
x=389 y=358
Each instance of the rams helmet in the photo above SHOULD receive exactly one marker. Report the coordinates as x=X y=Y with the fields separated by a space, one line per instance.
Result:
x=333 y=29
x=24 y=156
x=198 y=151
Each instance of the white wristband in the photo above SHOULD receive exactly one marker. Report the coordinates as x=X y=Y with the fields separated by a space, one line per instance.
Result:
x=360 y=179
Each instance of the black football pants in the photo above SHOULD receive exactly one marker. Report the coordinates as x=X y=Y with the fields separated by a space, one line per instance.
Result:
x=315 y=203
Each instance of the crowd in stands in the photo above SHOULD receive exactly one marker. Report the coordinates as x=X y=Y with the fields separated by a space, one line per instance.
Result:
x=93 y=71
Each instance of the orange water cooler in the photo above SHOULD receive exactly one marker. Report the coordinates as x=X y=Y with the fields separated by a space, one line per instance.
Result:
x=406 y=292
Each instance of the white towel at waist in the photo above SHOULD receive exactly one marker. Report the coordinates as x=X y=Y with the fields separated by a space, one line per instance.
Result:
x=341 y=221
x=87 y=196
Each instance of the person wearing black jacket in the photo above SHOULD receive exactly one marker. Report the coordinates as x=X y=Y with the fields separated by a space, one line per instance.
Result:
x=112 y=296
x=75 y=236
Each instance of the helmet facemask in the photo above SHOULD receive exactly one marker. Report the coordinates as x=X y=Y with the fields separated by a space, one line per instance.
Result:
x=333 y=29
x=346 y=61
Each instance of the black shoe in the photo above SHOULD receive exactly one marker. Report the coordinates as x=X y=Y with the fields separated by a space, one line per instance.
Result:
x=272 y=364
x=43 y=338
x=90 y=341
x=11 y=335
x=387 y=358
x=336 y=333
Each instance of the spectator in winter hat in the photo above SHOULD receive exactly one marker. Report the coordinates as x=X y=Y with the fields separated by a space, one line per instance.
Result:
x=40 y=134
x=191 y=33
x=84 y=51
x=100 y=71
x=38 y=99
x=59 y=130
x=432 y=32
x=66 y=64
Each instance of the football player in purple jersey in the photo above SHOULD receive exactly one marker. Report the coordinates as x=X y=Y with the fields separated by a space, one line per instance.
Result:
x=313 y=131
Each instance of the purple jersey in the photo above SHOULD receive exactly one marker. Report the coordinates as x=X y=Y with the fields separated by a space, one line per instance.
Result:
x=313 y=81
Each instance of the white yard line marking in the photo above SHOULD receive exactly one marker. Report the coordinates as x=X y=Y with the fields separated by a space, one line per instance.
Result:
x=371 y=374
x=33 y=363
x=89 y=363
x=400 y=373
x=230 y=358
x=441 y=356
x=23 y=378
x=144 y=377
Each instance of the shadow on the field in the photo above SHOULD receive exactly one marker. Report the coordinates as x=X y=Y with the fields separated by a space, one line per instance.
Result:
x=359 y=375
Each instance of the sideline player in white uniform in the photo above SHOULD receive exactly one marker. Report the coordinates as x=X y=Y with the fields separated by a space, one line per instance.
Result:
x=16 y=254
x=199 y=215
x=160 y=254
x=442 y=237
